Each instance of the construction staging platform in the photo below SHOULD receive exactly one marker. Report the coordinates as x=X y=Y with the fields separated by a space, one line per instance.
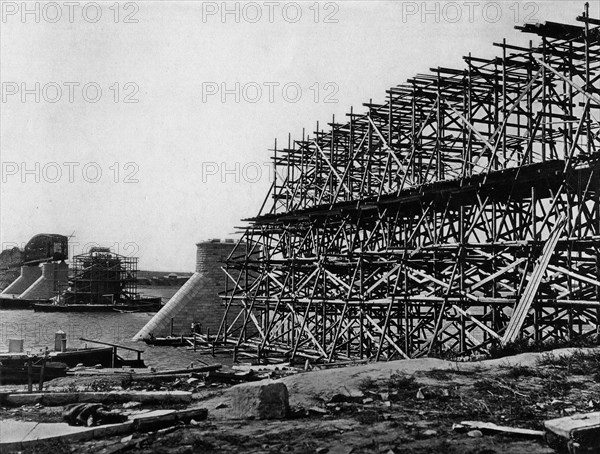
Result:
x=460 y=214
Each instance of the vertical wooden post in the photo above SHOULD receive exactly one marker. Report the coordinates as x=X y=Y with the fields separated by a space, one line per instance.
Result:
x=29 y=375
x=588 y=88
x=42 y=371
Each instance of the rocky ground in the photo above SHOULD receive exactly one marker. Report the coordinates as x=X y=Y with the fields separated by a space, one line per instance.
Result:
x=412 y=406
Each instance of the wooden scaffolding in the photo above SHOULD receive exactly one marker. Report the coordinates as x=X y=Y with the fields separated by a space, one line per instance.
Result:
x=461 y=213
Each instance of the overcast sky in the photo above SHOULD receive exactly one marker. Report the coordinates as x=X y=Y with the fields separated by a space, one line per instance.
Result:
x=161 y=157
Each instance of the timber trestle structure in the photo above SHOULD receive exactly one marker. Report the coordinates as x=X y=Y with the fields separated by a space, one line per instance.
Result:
x=461 y=213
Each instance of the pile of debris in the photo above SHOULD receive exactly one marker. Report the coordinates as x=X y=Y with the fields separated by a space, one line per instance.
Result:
x=518 y=404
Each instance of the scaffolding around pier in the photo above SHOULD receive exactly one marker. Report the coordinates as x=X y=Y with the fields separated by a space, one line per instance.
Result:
x=102 y=277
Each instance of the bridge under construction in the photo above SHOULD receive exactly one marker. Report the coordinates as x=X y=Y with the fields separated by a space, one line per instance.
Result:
x=460 y=214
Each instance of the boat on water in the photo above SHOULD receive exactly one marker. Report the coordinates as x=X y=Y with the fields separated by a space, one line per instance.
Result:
x=85 y=356
x=19 y=373
x=170 y=341
x=11 y=302
x=149 y=304
x=16 y=367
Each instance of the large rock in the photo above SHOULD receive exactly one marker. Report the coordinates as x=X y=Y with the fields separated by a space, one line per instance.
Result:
x=267 y=399
x=575 y=434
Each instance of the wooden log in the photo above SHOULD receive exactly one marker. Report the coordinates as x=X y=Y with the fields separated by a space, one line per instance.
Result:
x=491 y=427
x=29 y=376
x=110 y=344
x=192 y=369
x=229 y=377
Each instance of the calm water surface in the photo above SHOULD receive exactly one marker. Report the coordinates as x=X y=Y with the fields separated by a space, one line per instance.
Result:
x=37 y=329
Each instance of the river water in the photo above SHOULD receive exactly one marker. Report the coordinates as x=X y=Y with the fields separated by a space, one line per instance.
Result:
x=37 y=329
